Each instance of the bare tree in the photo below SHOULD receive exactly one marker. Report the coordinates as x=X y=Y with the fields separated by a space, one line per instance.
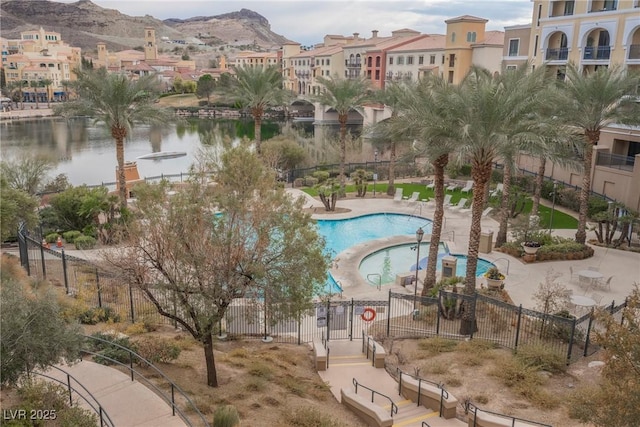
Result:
x=241 y=241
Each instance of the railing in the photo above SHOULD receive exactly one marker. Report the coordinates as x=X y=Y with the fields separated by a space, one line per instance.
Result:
x=378 y=276
x=474 y=409
x=104 y=417
x=425 y=424
x=170 y=400
x=634 y=51
x=444 y=394
x=560 y=54
x=615 y=161
x=503 y=259
x=394 y=407
x=600 y=52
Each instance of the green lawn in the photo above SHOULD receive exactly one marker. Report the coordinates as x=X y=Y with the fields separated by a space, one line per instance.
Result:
x=560 y=219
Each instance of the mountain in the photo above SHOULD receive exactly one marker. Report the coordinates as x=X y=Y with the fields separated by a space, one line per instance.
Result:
x=84 y=24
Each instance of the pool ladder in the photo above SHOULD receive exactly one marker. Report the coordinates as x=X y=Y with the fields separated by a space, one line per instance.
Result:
x=379 y=282
x=503 y=259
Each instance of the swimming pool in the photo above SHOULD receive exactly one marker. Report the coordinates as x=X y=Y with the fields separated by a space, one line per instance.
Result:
x=389 y=262
x=341 y=234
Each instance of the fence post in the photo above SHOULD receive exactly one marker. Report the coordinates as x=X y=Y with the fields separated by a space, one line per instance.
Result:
x=351 y=322
x=64 y=272
x=99 y=291
x=69 y=388
x=587 y=338
x=328 y=319
x=389 y=314
x=515 y=348
x=573 y=334
x=133 y=320
x=44 y=266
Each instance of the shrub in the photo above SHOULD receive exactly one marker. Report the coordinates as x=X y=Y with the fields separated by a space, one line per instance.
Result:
x=437 y=345
x=85 y=242
x=158 y=350
x=310 y=181
x=70 y=236
x=321 y=176
x=97 y=315
x=226 y=416
x=90 y=230
x=52 y=237
x=310 y=417
x=107 y=350
x=541 y=358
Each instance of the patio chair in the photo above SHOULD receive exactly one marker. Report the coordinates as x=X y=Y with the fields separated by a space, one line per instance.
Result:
x=460 y=204
x=452 y=187
x=606 y=283
x=431 y=185
x=447 y=200
x=414 y=197
x=572 y=274
x=486 y=212
x=596 y=297
x=499 y=189
x=398 y=195
x=468 y=187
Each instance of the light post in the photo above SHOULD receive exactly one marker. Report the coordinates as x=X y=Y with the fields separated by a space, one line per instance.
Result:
x=375 y=171
x=553 y=205
x=419 y=234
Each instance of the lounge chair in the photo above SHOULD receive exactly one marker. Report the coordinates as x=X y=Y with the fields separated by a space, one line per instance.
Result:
x=486 y=212
x=447 y=200
x=398 y=195
x=452 y=187
x=414 y=197
x=460 y=204
x=499 y=188
x=468 y=187
x=431 y=185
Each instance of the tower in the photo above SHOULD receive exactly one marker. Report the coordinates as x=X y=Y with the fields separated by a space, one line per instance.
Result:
x=150 y=47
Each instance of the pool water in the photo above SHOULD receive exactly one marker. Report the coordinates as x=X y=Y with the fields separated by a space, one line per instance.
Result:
x=341 y=234
x=381 y=267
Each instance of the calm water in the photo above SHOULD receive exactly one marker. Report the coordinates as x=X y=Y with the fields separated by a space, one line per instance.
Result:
x=85 y=152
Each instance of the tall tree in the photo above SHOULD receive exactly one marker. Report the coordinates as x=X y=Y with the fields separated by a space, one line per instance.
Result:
x=255 y=88
x=16 y=207
x=260 y=248
x=34 y=334
x=205 y=88
x=118 y=103
x=489 y=116
x=344 y=96
x=46 y=83
x=586 y=103
x=26 y=173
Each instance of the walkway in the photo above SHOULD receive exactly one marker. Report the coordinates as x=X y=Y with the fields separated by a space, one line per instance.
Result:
x=128 y=403
x=347 y=362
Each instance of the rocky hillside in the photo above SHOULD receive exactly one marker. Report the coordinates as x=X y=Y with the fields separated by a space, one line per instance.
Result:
x=84 y=24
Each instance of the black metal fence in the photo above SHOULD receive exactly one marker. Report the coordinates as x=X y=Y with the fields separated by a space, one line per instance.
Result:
x=400 y=315
x=381 y=168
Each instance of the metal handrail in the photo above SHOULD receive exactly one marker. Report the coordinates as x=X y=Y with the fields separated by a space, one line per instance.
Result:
x=379 y=276
x=503 y=259
x=473 y=408
x=425 y=424
x=174 y=386
x=444 y=394
x=100 y=411
x=394 y=407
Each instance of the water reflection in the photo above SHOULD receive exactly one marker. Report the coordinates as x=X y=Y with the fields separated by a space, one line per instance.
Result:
x=85 y=152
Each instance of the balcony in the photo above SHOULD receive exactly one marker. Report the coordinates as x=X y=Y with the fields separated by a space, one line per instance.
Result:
x=615 y=161
x=634 y=51
x=350 y=64
x=597 y=53
x=560 y=54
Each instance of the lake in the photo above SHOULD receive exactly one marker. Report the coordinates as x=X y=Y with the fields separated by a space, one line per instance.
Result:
x=85 y=151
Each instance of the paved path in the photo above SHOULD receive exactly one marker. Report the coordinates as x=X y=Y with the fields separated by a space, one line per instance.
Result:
x=128 y=403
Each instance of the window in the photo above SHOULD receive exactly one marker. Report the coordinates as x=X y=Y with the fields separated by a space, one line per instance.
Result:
x=453 y=37
x=539 y=15
x=432 y=59
x=377 y=74
x=377 y=63
x=568 y=8
x=512 y=67
x=473 y=37
x=469 y=36
x=409 y=60
x=421 y=60
x=535 y=47
x=369 y=61
x=328 y=62
x=442 y=59
x=391 y=60
x=609 y=5
x=450 y=76
x=452 y=60
x=514 y=47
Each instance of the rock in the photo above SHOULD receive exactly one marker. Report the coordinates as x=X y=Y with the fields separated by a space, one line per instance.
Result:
x=596 y=364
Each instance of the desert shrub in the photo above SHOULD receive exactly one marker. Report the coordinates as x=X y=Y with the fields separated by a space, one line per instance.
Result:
x=136 y=328
x=47 y=396
x=90 y=230
x=255 y=384
x=512 y=372
x=226 y=416
x=97 y=315
x=293 y=385
x=452 y=381
x=436 y=367
x=437 y=345
x=51 y=238
x=261 y=370
x=85 y=242
x=310 y=181
x=107 y=350
x=157 y=350
x=310 y=417
x=70 y=236
x=321 y=176
x=481 y=399
x=541 y=358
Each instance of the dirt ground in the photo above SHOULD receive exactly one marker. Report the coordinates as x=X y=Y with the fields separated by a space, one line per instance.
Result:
x=474 y=373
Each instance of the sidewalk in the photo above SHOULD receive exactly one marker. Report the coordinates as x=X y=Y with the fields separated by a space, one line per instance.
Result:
x=127 y=403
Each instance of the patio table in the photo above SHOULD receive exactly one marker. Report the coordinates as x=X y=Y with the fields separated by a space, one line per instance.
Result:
x=589 y=276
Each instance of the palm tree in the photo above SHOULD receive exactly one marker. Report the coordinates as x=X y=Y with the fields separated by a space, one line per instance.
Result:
x=17 y=86
x=34 y=85
x=343 y=95
x=46 y=83
x=489 y=116
x=588 y=102
x=118 y=103
x=255 y=88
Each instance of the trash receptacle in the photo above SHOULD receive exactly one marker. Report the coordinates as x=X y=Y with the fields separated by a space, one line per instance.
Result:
x=486 y=242
x=449 y=266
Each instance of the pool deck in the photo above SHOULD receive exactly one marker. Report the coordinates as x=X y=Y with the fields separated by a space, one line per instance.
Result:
x=522 y=279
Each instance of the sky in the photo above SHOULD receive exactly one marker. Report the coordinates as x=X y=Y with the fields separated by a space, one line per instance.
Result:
x=308 y=21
